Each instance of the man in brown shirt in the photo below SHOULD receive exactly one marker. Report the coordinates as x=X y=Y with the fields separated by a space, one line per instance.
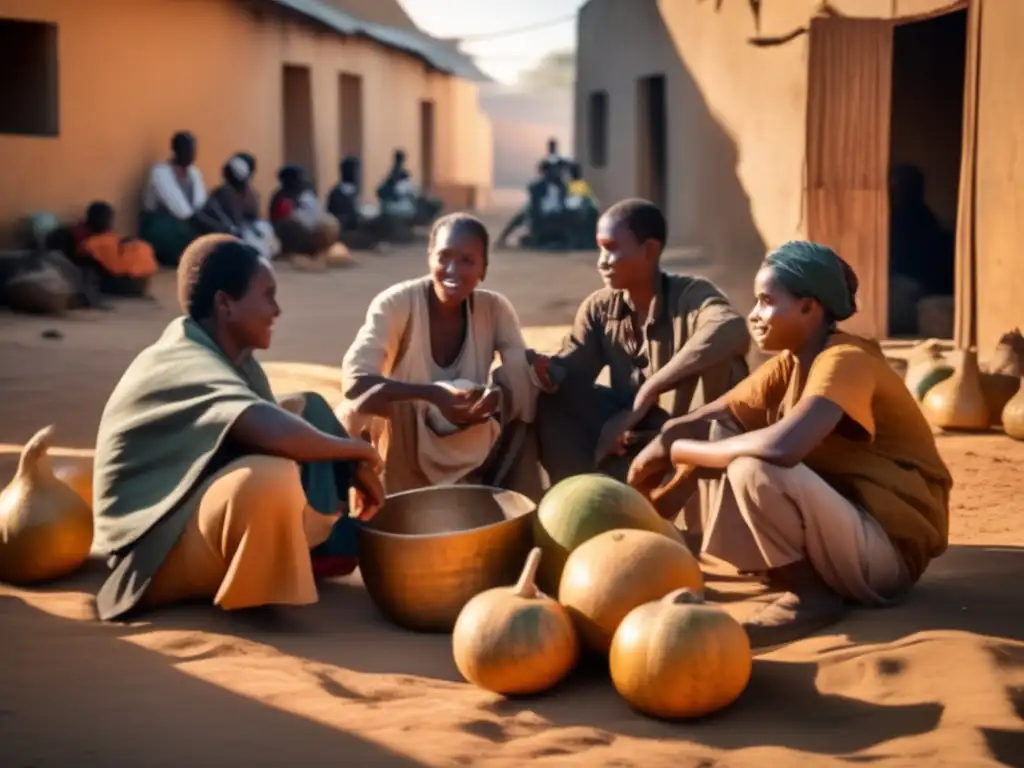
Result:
x=671 y=343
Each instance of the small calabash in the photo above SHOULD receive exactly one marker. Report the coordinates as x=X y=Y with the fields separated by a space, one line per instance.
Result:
x=613 y=573
x=958 y=403
x=679 y=658
x=515 y=640
x=45 y=526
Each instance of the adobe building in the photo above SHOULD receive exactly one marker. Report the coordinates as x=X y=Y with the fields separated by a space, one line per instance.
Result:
x=103 y=84
x=753 y=122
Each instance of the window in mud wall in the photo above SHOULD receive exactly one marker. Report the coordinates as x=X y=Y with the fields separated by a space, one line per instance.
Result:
x=597 y=128
x=29 y=97
x=652 y=144
x=350 y=101
x=297 y=113
x=428 y=132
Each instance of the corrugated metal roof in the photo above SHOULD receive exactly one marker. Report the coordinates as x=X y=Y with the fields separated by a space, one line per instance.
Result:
x=436 y=53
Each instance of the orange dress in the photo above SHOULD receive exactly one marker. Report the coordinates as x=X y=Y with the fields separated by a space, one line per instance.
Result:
x=120 y=257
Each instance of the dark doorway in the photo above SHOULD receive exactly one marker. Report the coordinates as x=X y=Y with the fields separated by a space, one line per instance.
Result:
x=29 y=98
x=929 y=63
x=652 y=140
x=427 y=140
x=350 y=117
x=297 y=110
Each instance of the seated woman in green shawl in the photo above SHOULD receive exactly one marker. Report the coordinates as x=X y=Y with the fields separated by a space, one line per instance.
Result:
x=204 y=486
x=832 y=486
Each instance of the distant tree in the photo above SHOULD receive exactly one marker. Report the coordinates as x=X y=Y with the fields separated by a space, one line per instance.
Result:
x=555 y=72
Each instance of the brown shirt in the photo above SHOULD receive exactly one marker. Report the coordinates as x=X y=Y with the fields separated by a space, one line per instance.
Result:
x=882 y=456
x=689 y=316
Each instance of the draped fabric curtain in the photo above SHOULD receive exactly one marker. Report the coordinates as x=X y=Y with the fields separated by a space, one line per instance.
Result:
x=991 y=259
x=848 y=130
x=965 y=321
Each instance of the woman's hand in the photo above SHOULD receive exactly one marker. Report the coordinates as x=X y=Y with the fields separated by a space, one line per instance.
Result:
x=486 y=406
x=457 y=405
x=368 y=457
x=367 y=496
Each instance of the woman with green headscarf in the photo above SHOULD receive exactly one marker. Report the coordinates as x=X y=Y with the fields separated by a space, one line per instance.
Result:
x=832 y=485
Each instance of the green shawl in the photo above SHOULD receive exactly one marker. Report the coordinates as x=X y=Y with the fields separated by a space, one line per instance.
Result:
x=162 y=427
x=161 y=436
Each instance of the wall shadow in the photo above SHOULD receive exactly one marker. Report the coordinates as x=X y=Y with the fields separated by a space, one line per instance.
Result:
x=708 y=209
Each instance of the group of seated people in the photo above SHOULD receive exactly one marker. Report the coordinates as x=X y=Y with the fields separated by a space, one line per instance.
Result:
x=817 y=472
x=177 y=208
x=560 y=212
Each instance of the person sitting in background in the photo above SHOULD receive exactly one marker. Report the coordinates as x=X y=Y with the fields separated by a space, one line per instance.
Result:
x=300 y=222
x=230 y=206
x=402 y=201
x=358 y=232
x=833 y=486
x=418 y=377
x=559 y=164
x=581 y=210
x=120 y=266
x=544 y=212
x=172 y=204
x=206 y=486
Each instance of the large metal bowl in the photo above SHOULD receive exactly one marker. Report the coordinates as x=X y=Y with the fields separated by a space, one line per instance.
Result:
x=427 y=552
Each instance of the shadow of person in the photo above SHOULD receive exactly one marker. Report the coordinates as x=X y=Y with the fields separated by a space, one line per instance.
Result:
x=74 y=692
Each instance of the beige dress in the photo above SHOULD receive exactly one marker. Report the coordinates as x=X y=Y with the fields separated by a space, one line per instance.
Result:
x=394 y=341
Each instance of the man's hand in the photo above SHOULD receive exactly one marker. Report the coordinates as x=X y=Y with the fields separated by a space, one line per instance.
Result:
x=650 y=466
x=615 y=436
x=541 y=365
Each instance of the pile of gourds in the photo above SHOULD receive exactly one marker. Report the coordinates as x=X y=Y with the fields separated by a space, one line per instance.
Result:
x=46 y=523
x=625 y=586
x=966 y=397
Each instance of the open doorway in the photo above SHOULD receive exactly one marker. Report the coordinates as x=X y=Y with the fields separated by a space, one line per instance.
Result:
x=652 y=140
x=427 y=136
x=928 y=75
x=297 y=111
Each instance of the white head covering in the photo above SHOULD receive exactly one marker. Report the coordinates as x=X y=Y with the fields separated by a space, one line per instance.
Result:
x=239 y=168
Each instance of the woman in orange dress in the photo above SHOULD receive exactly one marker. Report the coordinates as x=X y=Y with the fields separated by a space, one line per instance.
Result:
x=833 y=487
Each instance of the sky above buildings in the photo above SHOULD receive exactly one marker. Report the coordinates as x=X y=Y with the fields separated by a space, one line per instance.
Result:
x=504 y=57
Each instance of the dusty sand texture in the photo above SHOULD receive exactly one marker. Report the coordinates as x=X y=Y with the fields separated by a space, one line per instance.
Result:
x=937 y=681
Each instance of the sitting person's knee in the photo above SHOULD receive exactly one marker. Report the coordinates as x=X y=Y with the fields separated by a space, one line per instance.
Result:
x=747 y=470
x=270 y=486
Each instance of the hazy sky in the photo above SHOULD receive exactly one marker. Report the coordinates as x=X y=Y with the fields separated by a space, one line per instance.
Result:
x=504 y=57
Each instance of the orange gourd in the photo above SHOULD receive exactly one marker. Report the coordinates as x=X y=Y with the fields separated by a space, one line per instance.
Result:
x=958 y=403
x=679 y=658
x=611 y=574
x=515 y=640
x=45 y=527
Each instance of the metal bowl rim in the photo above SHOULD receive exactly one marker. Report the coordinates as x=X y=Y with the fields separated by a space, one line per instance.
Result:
x=367 y=527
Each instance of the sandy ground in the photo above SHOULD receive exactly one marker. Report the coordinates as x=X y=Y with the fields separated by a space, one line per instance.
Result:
x=936 y=681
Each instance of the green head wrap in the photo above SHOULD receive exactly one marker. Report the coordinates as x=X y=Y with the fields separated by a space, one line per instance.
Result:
x=812 y=270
